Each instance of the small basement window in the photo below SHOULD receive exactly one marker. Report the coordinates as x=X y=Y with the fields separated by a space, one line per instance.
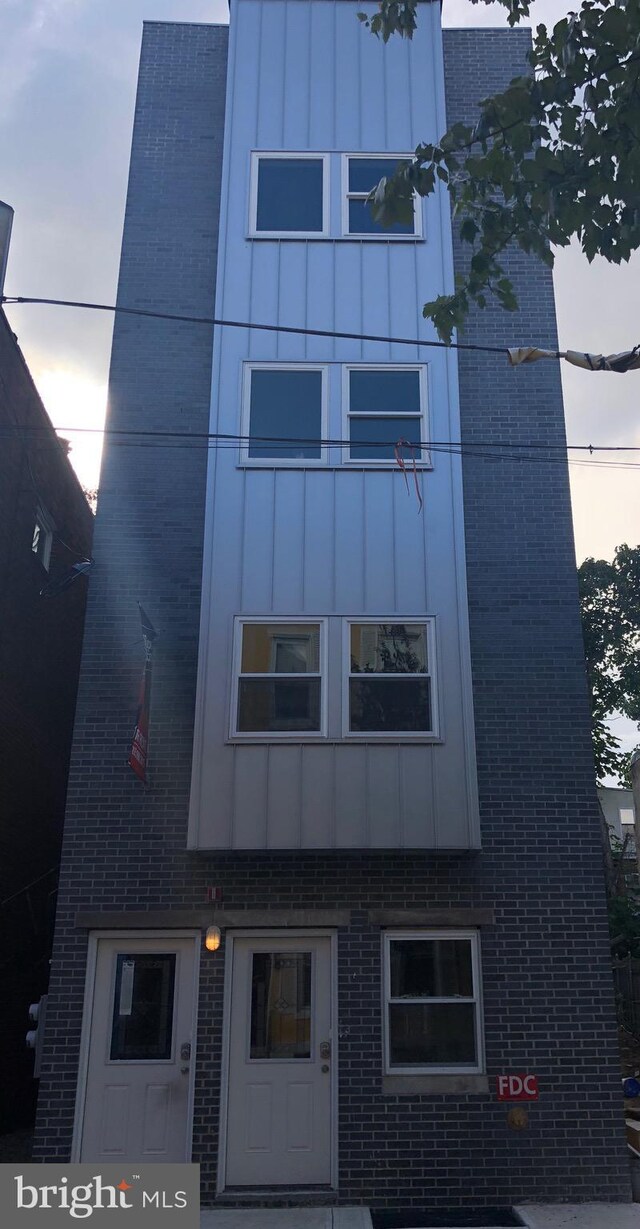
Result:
x=432 y=997
x=279 y=679
x=390 y=680
x=289 y=195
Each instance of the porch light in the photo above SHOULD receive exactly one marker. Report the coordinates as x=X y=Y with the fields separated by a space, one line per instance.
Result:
x=212 y=938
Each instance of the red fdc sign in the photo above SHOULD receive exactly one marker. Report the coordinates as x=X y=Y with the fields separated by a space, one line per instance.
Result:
x=517 y=1087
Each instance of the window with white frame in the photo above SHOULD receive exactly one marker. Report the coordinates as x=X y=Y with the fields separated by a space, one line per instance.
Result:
x=390 y=684
x=361 y=174
x=385 y=406
x=432 y=1002
x=279 y=668
x=42 y=537
x=284 y=412
x=289 y=194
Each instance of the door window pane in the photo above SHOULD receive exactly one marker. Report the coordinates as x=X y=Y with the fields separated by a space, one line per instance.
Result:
x=286 y=408
x=290 y=194
x=281 y=1005
x=143 y=1006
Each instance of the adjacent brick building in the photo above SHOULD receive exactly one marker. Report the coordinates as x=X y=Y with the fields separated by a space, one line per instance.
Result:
x=403 y=911
x=45 y=527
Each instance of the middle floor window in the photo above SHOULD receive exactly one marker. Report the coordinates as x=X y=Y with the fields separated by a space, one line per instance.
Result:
x=305 y=414
x=279 y=690
x=389 y=678
x=293 y=677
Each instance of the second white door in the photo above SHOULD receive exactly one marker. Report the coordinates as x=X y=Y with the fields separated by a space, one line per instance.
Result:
x=279 y=1095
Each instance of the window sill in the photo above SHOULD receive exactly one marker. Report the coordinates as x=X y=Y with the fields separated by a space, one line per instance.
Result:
x=295 y=737
x=433 y=1085
x=367 y=466
x=317 y=238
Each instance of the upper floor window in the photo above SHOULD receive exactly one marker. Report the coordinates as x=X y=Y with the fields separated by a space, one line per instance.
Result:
x=432 y=995
x=284 y=412
x=289 y=195
x=361 y=174
x=390 y=680
x=279 y=678
x=42 y=539
x=384 y=406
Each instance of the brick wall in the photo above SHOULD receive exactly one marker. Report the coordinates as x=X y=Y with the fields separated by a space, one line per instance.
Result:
x=547 y=984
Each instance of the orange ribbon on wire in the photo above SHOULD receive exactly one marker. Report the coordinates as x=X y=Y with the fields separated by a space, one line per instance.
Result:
x=401 y=465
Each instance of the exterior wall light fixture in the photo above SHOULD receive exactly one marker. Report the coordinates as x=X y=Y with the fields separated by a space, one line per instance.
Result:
x=212 y=938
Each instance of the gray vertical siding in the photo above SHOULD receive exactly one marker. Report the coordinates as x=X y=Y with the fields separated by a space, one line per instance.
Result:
x=338 y=541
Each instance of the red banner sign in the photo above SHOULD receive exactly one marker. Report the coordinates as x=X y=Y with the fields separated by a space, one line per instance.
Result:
x=517 y=1087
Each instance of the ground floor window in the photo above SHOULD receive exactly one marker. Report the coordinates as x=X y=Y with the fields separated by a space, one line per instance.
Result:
x=432 y=1001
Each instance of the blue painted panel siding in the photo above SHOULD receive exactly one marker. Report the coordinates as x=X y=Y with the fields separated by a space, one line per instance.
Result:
x=341 y=540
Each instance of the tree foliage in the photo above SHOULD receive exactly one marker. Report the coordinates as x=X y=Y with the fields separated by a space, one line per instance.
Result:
x=610 y=604
x=555 y=156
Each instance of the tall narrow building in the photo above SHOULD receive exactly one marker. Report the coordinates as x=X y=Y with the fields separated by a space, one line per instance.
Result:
x=369 y=760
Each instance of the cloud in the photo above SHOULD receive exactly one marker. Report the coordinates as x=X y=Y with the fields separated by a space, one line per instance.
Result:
x=31 y=28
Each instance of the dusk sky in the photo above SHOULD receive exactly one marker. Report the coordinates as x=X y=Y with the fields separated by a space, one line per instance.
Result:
x=67 y=91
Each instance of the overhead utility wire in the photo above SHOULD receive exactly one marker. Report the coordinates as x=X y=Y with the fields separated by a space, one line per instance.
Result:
x=266 y=328
x=231 y=440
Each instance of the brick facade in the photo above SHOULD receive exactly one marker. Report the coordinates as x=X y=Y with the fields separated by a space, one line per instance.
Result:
x=547 y=984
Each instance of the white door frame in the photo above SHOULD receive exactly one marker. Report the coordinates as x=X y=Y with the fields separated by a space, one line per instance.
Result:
x=87 y=1019
x=267 y=933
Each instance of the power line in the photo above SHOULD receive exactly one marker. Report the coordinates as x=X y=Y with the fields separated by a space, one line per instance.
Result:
x=233 y=440
x=266 y=328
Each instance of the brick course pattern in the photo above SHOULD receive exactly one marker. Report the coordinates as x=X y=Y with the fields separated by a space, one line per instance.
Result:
x=548 y=1005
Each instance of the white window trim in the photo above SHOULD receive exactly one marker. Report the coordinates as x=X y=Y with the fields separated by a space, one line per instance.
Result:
x=424 y=460
x=427 y=1068
x=385 y=236
x=46 y=524
x=270 y=736
x=253 y=232
x=245 y=419
x=420 y=736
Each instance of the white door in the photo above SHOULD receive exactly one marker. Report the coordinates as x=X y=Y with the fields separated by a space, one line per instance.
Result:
x=279 y=1095
x=137 y=1102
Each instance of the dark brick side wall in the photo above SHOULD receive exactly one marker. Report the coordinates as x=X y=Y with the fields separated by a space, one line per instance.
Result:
x=547 y=985
x=40 y=643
